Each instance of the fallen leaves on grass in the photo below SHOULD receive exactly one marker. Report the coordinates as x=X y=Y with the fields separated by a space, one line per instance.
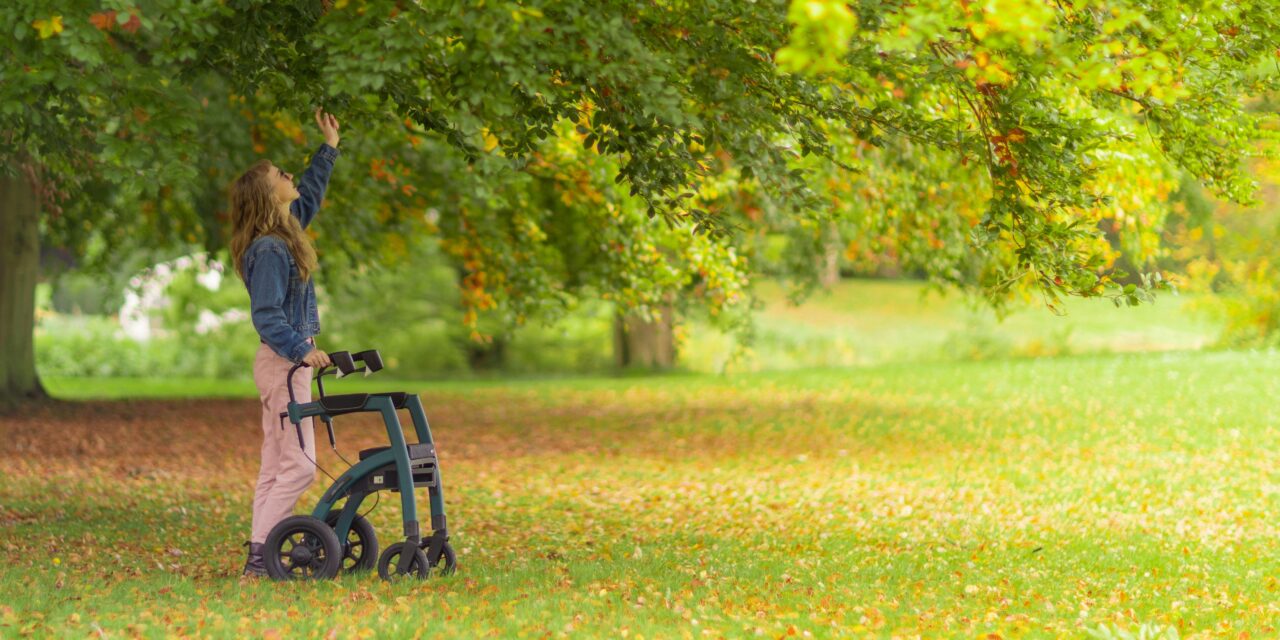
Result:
x=960 y=500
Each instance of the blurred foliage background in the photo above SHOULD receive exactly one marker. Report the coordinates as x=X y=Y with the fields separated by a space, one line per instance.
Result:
x=872 y=312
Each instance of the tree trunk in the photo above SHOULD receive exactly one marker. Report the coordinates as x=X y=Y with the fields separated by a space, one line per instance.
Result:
x=644 y=343
x=489 y=356
x=829 y=264
x=19 y=268
x=482 y=356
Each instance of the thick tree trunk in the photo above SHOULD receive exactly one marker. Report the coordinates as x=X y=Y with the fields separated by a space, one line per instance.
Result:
x=643 y=343
x=19 y=268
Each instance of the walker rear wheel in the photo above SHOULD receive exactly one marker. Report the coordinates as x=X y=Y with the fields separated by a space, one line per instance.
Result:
x=302 y=548
x=360 y=549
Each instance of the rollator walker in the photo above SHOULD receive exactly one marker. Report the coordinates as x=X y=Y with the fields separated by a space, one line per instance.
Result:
x=340 y=540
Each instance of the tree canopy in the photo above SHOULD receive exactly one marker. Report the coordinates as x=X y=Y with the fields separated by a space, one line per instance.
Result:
x=640 y=150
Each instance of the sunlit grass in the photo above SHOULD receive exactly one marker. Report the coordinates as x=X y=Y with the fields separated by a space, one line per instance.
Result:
x=1026 y=498
x=860 y=322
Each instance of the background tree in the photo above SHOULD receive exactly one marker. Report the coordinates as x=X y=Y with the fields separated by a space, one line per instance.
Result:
x=129 y=120
x=1226 y=250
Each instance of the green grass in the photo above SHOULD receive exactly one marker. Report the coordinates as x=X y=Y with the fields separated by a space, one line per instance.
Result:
x=860 y=322
x=1026 y=498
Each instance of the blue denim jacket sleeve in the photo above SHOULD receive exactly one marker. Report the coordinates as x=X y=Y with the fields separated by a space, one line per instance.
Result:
x=312 y=185
x=268 y=282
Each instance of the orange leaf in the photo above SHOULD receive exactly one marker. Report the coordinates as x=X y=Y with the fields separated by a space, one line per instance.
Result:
x=133 y=24
x=103 y=20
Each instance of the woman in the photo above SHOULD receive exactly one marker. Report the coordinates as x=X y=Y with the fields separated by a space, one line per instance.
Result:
x=276 y=260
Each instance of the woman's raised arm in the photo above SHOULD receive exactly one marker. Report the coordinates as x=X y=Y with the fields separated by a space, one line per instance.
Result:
x=314 y=181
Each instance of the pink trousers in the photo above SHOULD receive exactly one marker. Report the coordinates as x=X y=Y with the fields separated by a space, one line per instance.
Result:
x=286 y=470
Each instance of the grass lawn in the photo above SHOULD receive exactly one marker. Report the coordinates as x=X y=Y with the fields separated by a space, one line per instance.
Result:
x=1025 y=498
x=861 y=322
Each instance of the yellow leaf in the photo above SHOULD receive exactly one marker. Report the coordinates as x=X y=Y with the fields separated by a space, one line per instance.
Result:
x=48 y=28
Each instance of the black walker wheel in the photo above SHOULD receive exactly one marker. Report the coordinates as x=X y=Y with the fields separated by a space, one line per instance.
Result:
x=389 y=560
x=360 y=549
x=447 y=563
x=302 y=548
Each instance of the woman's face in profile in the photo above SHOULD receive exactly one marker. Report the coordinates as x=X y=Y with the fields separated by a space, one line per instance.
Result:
x=282 y=184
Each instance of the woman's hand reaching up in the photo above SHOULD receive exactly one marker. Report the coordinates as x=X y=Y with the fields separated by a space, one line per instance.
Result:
x=328 y=126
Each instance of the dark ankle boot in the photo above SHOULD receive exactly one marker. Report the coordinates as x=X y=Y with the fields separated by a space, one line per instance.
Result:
x=254 y=566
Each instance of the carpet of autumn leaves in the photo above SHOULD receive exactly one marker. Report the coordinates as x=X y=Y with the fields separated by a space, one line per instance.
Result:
x=1036 y=498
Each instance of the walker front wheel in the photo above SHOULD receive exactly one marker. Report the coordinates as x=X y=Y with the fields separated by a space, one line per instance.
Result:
x=302 y=548
x=388 y=563
x=447 y=563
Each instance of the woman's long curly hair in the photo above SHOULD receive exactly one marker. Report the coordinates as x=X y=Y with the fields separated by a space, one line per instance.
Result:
x=255 y=213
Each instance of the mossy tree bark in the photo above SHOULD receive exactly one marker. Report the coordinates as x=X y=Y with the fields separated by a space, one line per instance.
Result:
x=19 y=269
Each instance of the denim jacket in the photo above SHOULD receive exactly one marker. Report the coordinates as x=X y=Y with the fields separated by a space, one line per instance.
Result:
x=283 y=307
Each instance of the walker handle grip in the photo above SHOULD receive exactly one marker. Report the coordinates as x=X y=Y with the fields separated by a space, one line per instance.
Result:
x=343 y=361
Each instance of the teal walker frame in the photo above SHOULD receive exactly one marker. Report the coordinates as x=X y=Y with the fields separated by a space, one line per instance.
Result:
x=319 y=545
